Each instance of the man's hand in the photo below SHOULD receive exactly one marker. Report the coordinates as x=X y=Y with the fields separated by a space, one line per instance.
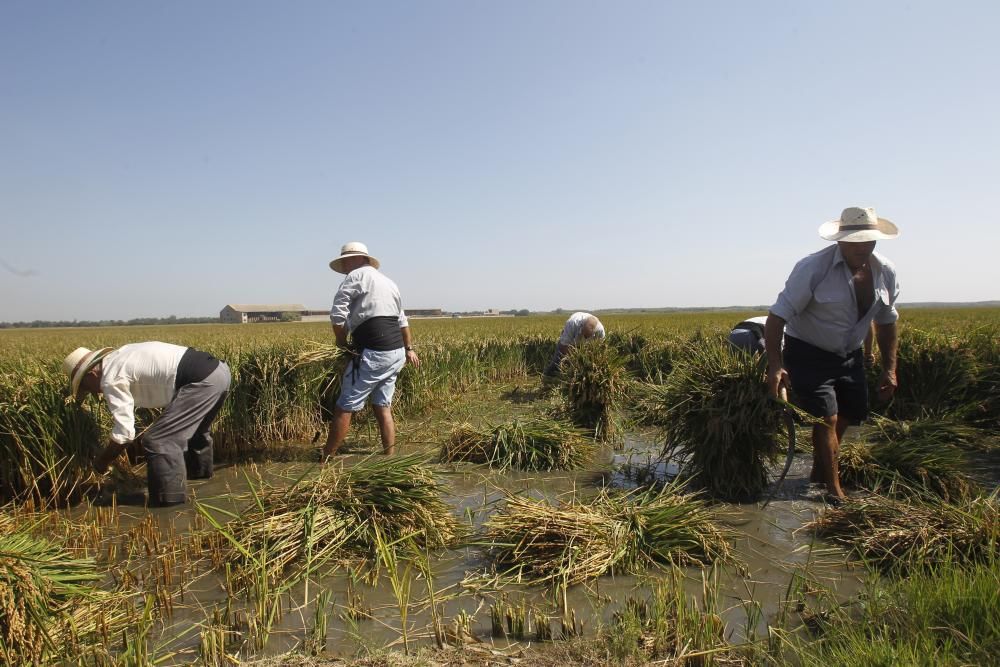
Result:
x=412 y=358
x=887 y=385
x=107 y=455
x=777 y=379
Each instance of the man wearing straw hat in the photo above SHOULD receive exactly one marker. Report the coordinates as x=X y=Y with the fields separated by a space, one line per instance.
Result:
x=367 y=306
x=825 y=312
x=189 y=384
x=579 y=327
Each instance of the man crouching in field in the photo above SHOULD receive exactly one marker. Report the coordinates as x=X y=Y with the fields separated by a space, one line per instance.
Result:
x=368 y=307
x=825 y=312
x=190 y=385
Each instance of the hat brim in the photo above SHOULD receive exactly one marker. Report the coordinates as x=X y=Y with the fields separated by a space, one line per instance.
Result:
x=338 y=264
x=86 y=364
x=883 y=231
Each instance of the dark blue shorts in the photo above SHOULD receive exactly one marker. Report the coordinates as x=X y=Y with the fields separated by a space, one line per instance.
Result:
x=826 y=384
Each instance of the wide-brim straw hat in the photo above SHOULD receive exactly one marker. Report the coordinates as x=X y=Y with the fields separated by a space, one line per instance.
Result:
x=79 y=362
x=352 y=249
x=857 y=225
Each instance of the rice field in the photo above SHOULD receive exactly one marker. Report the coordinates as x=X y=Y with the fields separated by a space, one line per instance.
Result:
x=612 y=516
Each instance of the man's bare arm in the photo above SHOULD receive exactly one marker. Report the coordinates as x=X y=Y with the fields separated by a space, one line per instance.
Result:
x=777 y=376
x=888 y=340
x=411 y=355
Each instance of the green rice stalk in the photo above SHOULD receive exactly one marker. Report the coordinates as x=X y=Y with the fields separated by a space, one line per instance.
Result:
x=617 y=532
x=720 y=425
x=523 y=444
x=897 y=533
x=937 y=375
x=595 y=384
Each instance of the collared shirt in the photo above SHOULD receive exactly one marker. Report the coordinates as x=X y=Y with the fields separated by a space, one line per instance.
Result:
x=574 y=328
x=819 y=304
x=138 y=375
x=366 y=293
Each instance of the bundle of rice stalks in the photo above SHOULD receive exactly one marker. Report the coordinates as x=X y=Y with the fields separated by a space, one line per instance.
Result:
x=897 y=533
x=936 y=374
x=338 y=514
x=595 y=384
x=720 y=424
x=524 y=444
x=41 y=587
x=615 y=533
x=903 y=456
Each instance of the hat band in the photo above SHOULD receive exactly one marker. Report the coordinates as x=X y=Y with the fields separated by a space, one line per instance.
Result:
x=853 y=228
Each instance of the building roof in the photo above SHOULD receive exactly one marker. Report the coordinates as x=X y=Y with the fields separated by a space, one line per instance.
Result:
x=265 y=307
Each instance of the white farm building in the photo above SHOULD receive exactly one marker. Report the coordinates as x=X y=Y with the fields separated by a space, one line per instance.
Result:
x=242 y=313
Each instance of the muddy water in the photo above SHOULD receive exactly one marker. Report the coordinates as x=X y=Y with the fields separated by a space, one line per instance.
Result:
x=771 y=548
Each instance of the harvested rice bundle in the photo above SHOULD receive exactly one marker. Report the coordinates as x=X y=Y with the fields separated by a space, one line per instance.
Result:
x=922 y=454
x=719 y=422
x=898 y=533
x=615 y=533
x=937 y=375
x=338 y=513
x=524 y=444
x=42 y=587
x=595 y=384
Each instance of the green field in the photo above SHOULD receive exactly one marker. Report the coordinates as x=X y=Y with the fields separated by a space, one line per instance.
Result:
x=108 y=579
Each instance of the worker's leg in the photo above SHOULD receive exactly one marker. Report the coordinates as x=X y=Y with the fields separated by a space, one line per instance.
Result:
x=386 y=428
x=552 y=369
x=391 y=363
x=339 y=426
x=825 y=451
x=813 y=373
x=200 y=452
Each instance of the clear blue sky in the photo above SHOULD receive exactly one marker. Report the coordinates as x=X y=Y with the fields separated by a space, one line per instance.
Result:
x=163 y=158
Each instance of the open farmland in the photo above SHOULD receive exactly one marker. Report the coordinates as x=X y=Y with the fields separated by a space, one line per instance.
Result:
x=608 y=560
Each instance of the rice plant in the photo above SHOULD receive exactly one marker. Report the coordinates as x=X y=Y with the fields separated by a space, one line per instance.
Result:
x=720 y=425
x=576 y=541
x=595 y=384
x=926 y=454
x=896 y=533
x=523 y=444
x=936 y=373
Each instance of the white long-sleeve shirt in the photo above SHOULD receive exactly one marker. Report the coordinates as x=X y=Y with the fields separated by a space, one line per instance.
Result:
x=573 y=329
x=365 y=293
x=819 y=304
x=138 y=375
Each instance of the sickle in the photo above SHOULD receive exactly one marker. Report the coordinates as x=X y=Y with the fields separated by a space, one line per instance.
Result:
x=790 y=425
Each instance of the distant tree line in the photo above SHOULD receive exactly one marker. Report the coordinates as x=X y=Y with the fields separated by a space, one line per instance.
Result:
x=138 y=321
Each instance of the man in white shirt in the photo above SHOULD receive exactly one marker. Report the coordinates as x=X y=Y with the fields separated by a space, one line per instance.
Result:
x=368 y=307
x=579 y=327
x=825 y=312
x=189 y=384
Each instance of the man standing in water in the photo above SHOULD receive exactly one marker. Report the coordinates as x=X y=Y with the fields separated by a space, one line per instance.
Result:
x=367 y=306
x=579 y=327
x=189 y=384
x=825 y=311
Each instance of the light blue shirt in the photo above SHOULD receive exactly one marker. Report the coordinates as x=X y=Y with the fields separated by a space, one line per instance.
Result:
x=820 y=307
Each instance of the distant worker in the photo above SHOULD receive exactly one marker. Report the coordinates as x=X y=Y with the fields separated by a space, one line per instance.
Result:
x=825 y=312
x=748 y=335
x=579 y=327
x=189 y=384
x=368 y=307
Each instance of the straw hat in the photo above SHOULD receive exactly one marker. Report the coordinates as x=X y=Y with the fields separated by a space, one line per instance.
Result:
x=352 y=249
x=79 y=362
x=857 y=225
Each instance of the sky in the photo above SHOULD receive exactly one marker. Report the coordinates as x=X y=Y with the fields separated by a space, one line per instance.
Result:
x=168 y=158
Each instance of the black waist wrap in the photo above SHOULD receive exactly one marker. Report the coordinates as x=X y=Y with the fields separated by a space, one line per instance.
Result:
x=194 y=366
x=377 y=333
